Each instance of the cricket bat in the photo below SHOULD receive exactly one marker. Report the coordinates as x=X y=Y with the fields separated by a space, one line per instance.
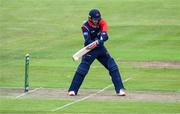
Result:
x=78 y=55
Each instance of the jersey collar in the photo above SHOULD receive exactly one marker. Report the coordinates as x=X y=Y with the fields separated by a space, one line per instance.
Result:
x=92 y=25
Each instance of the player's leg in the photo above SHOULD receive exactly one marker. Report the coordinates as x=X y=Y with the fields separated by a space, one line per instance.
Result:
x=108 y=62
x=116 y=77
x=80 y=73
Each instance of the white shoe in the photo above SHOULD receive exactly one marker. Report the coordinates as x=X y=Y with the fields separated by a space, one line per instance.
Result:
x=71 y=93
x=121 y=93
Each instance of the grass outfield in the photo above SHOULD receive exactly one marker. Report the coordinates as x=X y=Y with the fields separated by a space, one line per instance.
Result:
x=139 y=30
x=87 y=107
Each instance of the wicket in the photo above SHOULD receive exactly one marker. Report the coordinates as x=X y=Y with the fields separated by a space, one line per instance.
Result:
x=26 y=84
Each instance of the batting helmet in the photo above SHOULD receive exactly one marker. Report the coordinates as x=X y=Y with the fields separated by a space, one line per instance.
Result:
x=95 y=14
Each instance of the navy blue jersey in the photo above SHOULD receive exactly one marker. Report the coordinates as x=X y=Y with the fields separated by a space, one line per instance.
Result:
x=92 y=32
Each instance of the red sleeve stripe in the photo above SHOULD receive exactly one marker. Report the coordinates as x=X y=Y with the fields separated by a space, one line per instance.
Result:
x=103 y=26
x=86 y=27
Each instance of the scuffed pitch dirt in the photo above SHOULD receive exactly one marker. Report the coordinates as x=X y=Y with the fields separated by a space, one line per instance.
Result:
x=61 y=94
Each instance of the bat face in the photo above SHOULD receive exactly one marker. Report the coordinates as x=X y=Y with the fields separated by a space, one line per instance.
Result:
x=75 y=58
x=78 y=55
x=91 y=46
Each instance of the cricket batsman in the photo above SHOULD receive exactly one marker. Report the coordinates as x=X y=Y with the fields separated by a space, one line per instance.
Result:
x=95 y=28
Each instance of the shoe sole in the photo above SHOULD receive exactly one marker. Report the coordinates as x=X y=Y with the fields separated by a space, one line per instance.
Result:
x=71 y=95
x=121 y=94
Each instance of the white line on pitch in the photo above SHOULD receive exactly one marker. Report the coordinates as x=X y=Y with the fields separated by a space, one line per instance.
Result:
x=31 y=91
x=84 y=98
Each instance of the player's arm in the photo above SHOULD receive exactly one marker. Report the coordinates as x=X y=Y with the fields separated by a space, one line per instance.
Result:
x=86 y=35
x=104 y=30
